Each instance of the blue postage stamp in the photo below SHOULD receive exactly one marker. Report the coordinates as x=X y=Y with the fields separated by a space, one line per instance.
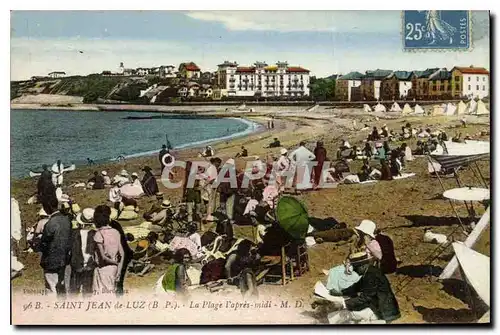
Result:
x=436 y=30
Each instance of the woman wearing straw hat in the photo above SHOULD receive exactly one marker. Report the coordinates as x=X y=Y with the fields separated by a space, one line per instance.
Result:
x=372 y=297
x=82 y=254
x=366 y=233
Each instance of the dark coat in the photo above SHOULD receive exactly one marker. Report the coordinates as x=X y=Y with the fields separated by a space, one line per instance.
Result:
x=149 y=184
x=373 y=291
x=56 y=243
x=98 y=182
x=388 y=263
x=77 y=254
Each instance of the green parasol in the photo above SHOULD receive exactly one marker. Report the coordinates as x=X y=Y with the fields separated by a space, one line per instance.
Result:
x=292 y=217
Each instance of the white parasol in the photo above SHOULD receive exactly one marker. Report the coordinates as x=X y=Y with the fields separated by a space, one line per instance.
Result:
x=468 y=194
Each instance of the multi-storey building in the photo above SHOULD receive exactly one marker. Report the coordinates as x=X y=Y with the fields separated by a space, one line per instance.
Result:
x=189 y=71
x=263 y=80
x=420 y=83
x=440 y=84
x=470 y=82
x=348 y=87
x=371 y=83
x=396 y=86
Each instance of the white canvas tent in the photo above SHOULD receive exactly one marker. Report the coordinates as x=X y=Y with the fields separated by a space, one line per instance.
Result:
x=462 y=108
x=469 y=242
x=481 y=109
x=395 y=107
x=471 y=107
x=437 y=110
x=407 y=110
x=379 y=108
x=476 y=268
x=367 y=108
x=418 y=110
x=451 y=109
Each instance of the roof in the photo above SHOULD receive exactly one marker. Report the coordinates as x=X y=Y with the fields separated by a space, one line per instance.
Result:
x=58 y=72
x=190 y=66
x=228 y=63
x=246 y=69
x=401 y=75
x=297 y=69
x=425 y=73
x=378 y=74
x=352 y=76
x=441 y=75
x=271 y=68
x=472 y=70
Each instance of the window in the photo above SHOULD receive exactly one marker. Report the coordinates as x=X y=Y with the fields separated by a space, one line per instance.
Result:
x=484 y=88
x=442 y=87
x=469 y=87
x=457 y=78
x=477 y=78
x=484 y=78
x=457 y=87
x=477 y=87
x=468 y=78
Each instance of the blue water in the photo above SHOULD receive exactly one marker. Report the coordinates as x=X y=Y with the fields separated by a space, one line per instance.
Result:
x=41 y=137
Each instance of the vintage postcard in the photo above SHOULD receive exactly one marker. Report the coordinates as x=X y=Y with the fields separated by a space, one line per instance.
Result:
x=250 y=167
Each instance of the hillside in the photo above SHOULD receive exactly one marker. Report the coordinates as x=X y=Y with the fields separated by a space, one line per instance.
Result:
x=89 y=88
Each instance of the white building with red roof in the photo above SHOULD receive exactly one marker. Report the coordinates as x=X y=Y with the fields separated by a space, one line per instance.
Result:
x=470 y=82
x=189 y=71
x=261 y=79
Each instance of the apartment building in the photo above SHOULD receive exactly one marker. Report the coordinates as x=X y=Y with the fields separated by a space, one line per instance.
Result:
x=261 y=79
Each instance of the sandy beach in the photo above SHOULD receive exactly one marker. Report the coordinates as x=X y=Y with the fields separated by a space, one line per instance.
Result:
x=401 y=208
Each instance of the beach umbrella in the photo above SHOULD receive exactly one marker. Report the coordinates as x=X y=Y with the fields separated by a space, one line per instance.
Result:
x=468 y=194
x=292 y=217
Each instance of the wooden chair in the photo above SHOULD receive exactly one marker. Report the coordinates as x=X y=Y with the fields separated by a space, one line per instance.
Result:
x=284 y=263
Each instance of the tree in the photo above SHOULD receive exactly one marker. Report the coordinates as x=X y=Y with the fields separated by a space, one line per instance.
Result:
x=322 y=88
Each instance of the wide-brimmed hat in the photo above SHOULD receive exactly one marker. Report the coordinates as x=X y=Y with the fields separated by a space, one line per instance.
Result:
x=166 y=204
x=230 y=161
x=359 y=258
x=159 y=194
x=124 y=173
x=283 y=151
x=42 y=212
x=86 y=217
x=134 y=174
x=104 y=173
x=368 y=227
x=75 y=208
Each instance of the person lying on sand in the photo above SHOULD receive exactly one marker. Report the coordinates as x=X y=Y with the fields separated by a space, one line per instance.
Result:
x=275 y=144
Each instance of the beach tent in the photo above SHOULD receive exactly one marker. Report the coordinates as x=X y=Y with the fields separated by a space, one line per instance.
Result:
x=469 y=242
x=418 y=110
x=407 y=110
x=471 y=107
x=462 y=108
x=437 y=110
x=450 y=109
x=367 y=108
x=379 y=108
x=475 y=268
x=481 y=109
x=242 y=107
x=395 y=107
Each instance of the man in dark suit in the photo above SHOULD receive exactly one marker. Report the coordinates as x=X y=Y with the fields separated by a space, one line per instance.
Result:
x=55 y=245
x=370 y=299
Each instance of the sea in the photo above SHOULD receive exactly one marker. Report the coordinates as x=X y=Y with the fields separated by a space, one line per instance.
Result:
x=44 y=136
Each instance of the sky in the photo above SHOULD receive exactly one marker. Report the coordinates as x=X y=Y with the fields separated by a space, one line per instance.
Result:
x=325 y=42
